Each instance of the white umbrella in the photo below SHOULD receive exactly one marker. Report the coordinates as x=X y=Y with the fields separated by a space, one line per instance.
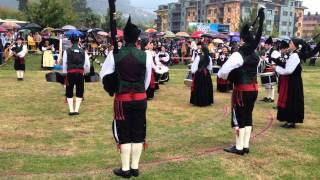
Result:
x=68 y=27
x=218 y=41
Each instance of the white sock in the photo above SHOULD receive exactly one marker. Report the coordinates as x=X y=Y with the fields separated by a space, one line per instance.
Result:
x=268 y=92
x=247 y=136
x=239 y=139
x=272 y=93
x=125 y=156
x=70 y=103
x=22 y=74
x=136 y=153
x=78 y=103
x=18 y=74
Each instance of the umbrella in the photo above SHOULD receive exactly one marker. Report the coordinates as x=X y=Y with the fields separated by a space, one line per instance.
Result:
x=24 y=32
x=10 y=25
x=161 y=34
x=215 y=35
x=73 y=33
x=32 y=26
x=197 y=34
x=102 y=33
x=169 y=34
x=68 y=27
x=235 y=39
x=47 y=29
x=233 y=34
x=182 y=34
x=150 y=30
x=2 y=29
x=94 y=30
x=218 y=41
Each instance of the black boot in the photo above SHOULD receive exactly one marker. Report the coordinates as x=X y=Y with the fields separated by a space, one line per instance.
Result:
x=134 y=172
x=246 y=150
x=233 y=150
x=124 y=174
x=289 y=125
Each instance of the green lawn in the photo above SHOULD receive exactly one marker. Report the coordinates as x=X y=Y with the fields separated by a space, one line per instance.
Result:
x=39 y=140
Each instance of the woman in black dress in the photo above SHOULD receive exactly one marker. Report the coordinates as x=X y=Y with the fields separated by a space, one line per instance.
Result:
x=202 y=89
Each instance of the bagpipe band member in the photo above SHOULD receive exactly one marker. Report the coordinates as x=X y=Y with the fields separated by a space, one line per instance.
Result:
x=127 y=75
x=223 y=85
x=291 y=96
x=201 y=88
x=271 y=53
x=19 y=52
x=163 y=56
x=75 y=64
x=196 y=52
x=241 y=69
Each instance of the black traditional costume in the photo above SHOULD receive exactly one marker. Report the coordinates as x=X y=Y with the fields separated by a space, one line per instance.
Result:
x=127 y=74
x=19 y=50
x=241 y=69
x=291 y=96
x=222 y=84
x=201 y=88
x=75 y=64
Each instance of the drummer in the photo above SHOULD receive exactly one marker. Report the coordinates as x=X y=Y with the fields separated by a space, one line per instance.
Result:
x=223 y=85
x=268 y=63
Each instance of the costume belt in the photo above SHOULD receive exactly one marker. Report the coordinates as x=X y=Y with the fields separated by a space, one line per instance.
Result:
x=131 y=97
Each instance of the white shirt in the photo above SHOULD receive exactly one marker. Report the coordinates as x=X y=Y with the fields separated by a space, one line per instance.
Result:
x=233 y=62
x=195 y=64
x=86 y=65
x=108 y=67
x=22 y=53
x=291 y=65
x=45 y=48
x=164 y=59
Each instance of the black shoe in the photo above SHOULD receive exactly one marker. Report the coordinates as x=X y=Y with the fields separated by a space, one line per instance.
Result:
x=134 y=172
x=289 y=125
x=72 y=113
x=265 y=99
x=124 y=174
x=284 y=125
x=246 y=150
x=76 y=113
x=234 y=150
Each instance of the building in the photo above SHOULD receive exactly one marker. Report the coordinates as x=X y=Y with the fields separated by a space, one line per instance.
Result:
x=311 y=21
x=162 y=18
x=283 y=17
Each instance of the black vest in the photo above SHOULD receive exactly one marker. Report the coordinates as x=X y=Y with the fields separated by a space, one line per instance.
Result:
x=75 y=58
x=247 y=73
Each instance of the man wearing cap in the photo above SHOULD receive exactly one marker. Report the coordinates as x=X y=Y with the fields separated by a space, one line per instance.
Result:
x=75 y=64
x=241 y=70
x=127 y=75
x=19 y=52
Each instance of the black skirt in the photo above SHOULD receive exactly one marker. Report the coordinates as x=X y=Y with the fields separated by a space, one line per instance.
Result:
x=19 y=64
x=202 y=89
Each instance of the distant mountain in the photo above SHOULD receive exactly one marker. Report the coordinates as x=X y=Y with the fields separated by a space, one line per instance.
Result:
x=138 y=15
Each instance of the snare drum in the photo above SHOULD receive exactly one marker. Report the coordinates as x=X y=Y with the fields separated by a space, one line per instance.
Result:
x=269 y=78
x=188 y=79
x=215 y=69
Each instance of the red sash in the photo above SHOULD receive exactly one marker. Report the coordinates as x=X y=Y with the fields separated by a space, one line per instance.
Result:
x=131 y=97
x=283 y=91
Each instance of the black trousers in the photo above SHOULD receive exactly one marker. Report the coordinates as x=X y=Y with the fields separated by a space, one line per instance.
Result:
x=75 y=79
x=133 y=128
x=242 y=114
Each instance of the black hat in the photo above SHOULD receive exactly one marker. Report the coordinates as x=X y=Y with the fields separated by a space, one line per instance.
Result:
x=245 y=34
x=298 y=43
x=131 y=32
x=284 y=44
x=269 y=41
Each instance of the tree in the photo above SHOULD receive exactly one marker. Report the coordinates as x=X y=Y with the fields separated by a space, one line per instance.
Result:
x=53 y=13
x=7 y=13
x=250 y=19
x=119 y=18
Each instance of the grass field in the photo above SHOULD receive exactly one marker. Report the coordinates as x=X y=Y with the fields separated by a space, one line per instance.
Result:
x=39 y=140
